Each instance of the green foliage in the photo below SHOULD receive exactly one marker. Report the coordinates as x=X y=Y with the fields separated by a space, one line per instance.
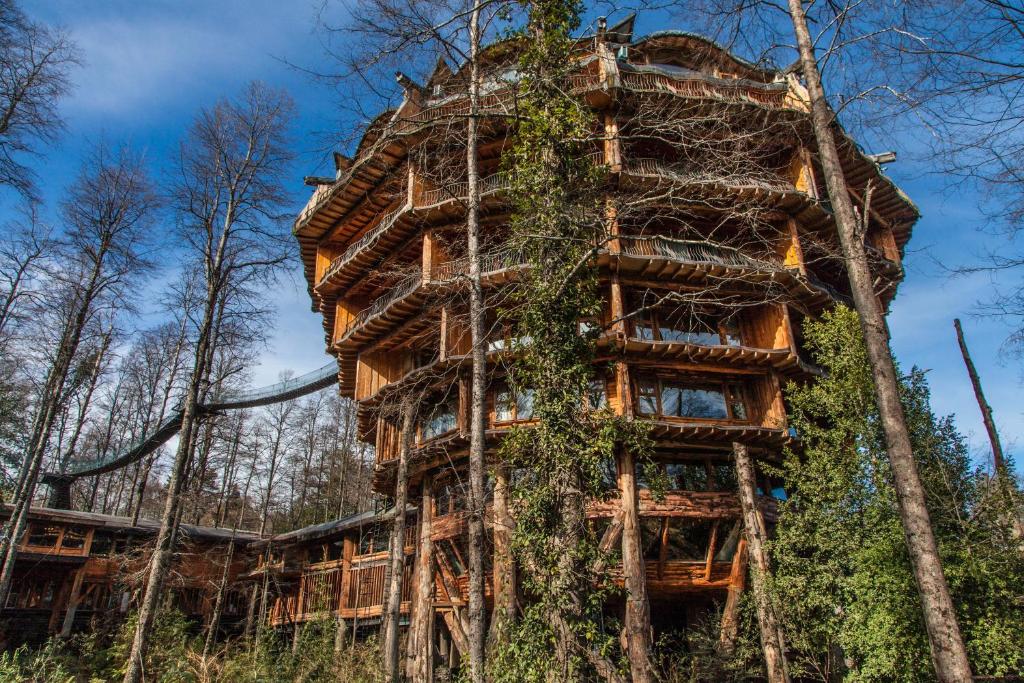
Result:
x=842 y=570
x=271 y=658
x=167 y=656
x=49 y=664
x=698 y=656
x=176 y=657
x=560 y=462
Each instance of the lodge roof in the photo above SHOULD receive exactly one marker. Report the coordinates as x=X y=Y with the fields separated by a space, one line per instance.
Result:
x=117 y=523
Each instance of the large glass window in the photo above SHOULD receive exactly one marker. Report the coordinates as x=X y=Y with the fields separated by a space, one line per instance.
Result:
x=678 y=398
x=441 y=420
x=74 y=538
x=510 y=406
x=43 y=535
x=688 y=540
x=709 y=403
x=686 y=326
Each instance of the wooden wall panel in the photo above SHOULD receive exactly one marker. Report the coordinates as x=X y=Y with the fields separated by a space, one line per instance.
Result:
x=374 y=371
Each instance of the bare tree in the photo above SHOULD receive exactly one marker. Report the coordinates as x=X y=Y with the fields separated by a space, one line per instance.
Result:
x=21 y=258
x=108 y=213
x=949 y=654
x=35 y=63
x=229 y=201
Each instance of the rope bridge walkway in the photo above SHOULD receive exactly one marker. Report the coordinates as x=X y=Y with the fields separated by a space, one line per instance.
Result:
x=261 y=396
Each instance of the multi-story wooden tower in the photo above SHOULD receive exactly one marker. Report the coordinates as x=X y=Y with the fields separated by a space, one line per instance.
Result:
x=721 y=243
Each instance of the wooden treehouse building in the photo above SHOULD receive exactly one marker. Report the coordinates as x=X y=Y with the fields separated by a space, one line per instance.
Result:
x=384 y=257
x=706 y=277
x=77 y=570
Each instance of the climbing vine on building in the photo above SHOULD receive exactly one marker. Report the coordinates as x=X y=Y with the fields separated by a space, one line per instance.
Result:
x=567 y=456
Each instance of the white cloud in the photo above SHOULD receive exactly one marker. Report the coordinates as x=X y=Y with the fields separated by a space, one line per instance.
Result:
x=145 y=58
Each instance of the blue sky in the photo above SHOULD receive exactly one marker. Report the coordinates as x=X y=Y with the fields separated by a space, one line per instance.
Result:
x=150 y=65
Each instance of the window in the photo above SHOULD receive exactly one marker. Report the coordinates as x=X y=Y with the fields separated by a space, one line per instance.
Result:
x=449 y=497
x=688 y=540
x=510 y=406
x=728 y=540
x=368 y=542
x=74 y=538
x=609 y=474
x=687 y=476
x=503 y=337
x=590 y=327
x=42 y=536
x=316 y=554
x=709 y=403
x=679 y=398
x=725 y=477
x=650 y=535
x=686 y=326
x=102 y=544
x=597 y=394
x=647 y=396
x=441 y=420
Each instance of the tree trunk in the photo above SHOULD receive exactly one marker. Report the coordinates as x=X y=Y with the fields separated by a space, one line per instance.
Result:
x=949 y=655
x=477 y=617
x=218 y=605
x=729 y=625
x=638 y=612
x=396 y=559
x=504 y=564
x=772 y=642
x=52 y=397
x=164 y=550
x=421 y=631
x=998 y=463
x=274 y=453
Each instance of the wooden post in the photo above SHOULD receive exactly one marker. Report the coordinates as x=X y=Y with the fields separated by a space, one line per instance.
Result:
x=421 y=627
x=638 y=610
x=504 y=565
x=729 y=626
x=986 y=410
x=772 y=642
x=73 y=599
x=396 y=559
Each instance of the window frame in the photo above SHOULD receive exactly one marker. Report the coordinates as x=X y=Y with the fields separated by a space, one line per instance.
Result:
x=449 y=402
x=653 y=319
x=733 y=394
x=512 y=402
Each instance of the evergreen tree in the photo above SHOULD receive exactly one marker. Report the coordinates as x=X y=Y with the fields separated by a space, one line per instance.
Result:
x=842 y=566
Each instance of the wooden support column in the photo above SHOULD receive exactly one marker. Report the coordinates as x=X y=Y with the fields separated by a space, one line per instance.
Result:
x=637 y=629
x=504 y=564
x=729 y=627
x=772 y=642
x=73 y=599
x=420 y=649
x=396 y=560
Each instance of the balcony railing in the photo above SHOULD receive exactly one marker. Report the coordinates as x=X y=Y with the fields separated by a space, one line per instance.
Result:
x=346 y=256
x=489 y=263
x=657 y=168
x=691 y=251
x=401 y=290
x=495 y=182
x=699 y=86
